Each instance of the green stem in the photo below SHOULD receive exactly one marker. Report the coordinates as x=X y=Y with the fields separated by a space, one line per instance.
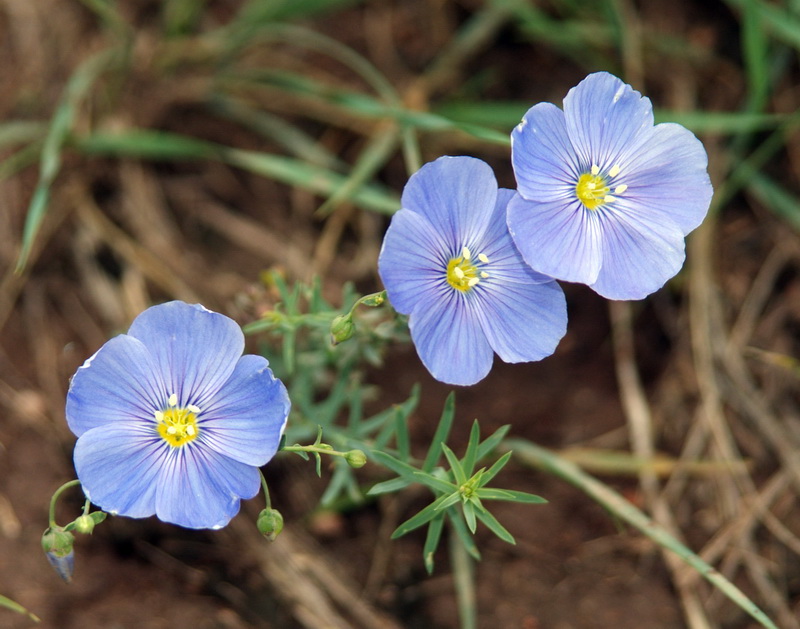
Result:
x=54 y=499
x=313 y=449
x=267 y=501
x=530 y=454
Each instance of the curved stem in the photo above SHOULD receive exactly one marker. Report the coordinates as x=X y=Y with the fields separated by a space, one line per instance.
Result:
x=54 y=499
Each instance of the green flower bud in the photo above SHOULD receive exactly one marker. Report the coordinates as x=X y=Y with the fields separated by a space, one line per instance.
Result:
x=270 y=523
x=356 y=458
x=85 y=524
x=374 y=300
x=342 y=328
x=57 y=546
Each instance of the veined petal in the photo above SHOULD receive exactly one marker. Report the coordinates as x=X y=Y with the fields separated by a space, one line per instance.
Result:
x=201 y=489
x=640 y=253
x=544 y=160
x=412 y=261
x=453 y=193
x=120 y=383
x=665 y=173
x=194 y=348
x=560 y=240
x=450 y=341
x=522 y=322
x=246 y=418
x=119 y=468
x=604 y=117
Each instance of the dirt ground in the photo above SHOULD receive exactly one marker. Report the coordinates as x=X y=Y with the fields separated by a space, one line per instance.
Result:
x=121 y=234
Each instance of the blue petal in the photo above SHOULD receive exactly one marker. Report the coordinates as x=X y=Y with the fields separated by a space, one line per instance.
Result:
x=413 y=259
x=454 y=194
x=119 y=468
x=544 y=161
x=523 y=322
x=246 y=418
x=120 y=383
x=523 y=313
x=450 y=341
x=640 y=253
x=603 y=117
x=195 y=349
x=200 y=489
x=561 y=240
x=666 y=174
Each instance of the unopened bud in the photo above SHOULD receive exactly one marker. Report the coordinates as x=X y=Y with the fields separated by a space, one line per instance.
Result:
x=374 y=300
x=84 y=524
x=270 y=523
x=57 y=546
x=356 y=458
x=342 y=328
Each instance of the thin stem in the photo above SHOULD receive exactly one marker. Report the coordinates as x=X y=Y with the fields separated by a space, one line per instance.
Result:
x=54 y=499
x=267 y=501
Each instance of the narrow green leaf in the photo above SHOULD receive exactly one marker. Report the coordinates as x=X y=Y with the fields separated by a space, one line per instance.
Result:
x=492 y=441
x=469 y=516
x=423 y=517
x=388 y=486
x=434 y=483
x=455 y=465
x=511 y=495
x=494 y=526
x=496 y=467
x=470 y=456
x=460 y=528
x=16 y=607
x=432 y=541
x=60 y=125
x=400 y=468
x=441 y=434
x=401 y=435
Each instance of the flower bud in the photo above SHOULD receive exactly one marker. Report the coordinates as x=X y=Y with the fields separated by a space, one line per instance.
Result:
x=57 y=545
x=356 y=458
x=84 y=524
x=342 y=328
x=374 y=300
x=270 y=523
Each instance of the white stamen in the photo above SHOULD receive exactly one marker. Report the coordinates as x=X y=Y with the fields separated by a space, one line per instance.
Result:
x=591 y=185
x=466 y=253
x=484 y=274
x=193 y=408
x=483 y=258
x=620 y=189
x=190 y=430
x=173 y=399
x=595 y=169
x=160 y=416
x=172 y=430
x=614 y=170
x=458 y=272
x=608 y=199
x=472 y=281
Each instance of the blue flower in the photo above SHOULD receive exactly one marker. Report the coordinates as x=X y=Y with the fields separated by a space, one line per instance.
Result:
x=172 y=420
x=606 y=197
x=448 y=261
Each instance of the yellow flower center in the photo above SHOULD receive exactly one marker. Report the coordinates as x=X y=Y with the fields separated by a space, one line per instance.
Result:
x=177 y=426
x=593 y=189
x=463 y=273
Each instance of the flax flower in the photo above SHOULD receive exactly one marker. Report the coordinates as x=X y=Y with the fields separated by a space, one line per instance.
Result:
x=172 y=420
x=448 y=261
x=606 y=197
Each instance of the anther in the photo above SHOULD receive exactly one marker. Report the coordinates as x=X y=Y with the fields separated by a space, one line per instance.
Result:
x=173 y=399
x=466 y=253
x=614 y=170
x=483 y=258
x=459 y=273
x=472 y=281
x=620 y=189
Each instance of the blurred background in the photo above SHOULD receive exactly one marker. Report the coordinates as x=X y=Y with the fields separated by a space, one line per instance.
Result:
x=182 y=149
